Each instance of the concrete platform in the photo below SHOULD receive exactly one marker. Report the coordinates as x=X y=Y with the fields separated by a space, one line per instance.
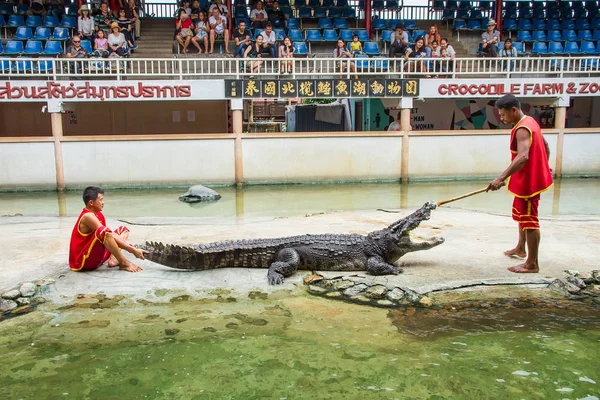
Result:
x=35 y=248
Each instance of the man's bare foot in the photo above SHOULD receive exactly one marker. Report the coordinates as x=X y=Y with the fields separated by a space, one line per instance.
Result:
x=516 y=252
x=112 y=262
x=525 y=268
x=130 y=267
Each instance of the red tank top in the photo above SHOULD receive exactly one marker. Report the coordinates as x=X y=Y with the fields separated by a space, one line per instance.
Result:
x=81 y=243
x=535 y=176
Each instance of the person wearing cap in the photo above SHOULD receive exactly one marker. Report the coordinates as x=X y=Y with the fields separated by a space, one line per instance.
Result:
x=85 y=24
x=116 y=40
x=398 y=41
x=490 y=40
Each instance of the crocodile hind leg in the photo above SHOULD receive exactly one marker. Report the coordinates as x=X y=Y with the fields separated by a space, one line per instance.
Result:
x=378 y=266
x=286 y=264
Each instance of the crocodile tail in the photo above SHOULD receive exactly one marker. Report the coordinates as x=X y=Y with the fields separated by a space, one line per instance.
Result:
x=173 y=256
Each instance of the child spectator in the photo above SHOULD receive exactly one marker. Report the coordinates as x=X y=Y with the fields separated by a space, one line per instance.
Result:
x=184 y=25
x=259 y=16
x=286 y=50
x=202 y=30
x=100 y=45
x=85 y=24
x=356 y=45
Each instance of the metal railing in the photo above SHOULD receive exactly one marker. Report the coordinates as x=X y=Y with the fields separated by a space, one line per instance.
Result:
x=310 y=67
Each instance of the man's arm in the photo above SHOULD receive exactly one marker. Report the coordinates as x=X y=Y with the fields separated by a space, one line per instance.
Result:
x=547 y=149
x=91 y=222
x=523 y=137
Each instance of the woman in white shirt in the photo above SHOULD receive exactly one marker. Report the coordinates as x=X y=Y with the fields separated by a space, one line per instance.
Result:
x=259 y=16
x=116 y=41
x=85 y=24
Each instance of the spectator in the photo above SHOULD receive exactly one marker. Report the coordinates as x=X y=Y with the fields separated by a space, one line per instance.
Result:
x=356 y=45
x=269 y=41
x=218 y=4
x=37 y=7
x=395 y=126
x=490 y=40
x=508 y=51
x=131 y=12
x=85 y=24
x=56 y=8
x=418 y=50
x=432 y=35
x=218 y=29
x=186 y=6
x=286 y=50
x=259 y=16
x=242 y=39
x=75 y=50
x=116 y=41
x=444 y=45
x=195 y=11
x=184 y=26
x=202 y=30
x=398 y=41
x=276 y=16
x=342 y=52
x=115 y=6
x=255 y=51
x=103 y=18
x=125 y=27
x=100 y=46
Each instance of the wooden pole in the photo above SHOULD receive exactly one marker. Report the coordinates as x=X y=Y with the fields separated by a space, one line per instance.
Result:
x=560 y=115
x=440 y=203
x=57 y=133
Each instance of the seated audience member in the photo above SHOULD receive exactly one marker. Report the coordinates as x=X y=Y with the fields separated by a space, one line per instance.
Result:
x=490 y=40
x=269 y=41
x=255 y=51
x=241 y=36
x=259 y=16
x=184 y=26
x=85 y=24
x=195 y=11
x=432 y=35
x=417 y=50
x=37 y=7
x=101 y=45
x=218 y=4
x=115 y=6
x=75 y=50
x=276 y=16
x=218 y=28
x=117 y=44
x=398 y=41
x=340 y=52
x=132 y=14
x=186 y=6
x=103 y=18
x=356 y=45
x=286 y=51
x=508 y=50
x=444 y=45
x=202 y=30
x=126 y=30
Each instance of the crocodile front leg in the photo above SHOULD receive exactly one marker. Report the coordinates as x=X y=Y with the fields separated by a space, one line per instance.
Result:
x=286 y=264
x=377 y=266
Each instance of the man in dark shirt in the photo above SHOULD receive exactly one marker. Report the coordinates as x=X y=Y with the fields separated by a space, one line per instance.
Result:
x=75 y=50
x=242 y=39
x=131 y=13
x=276 y=16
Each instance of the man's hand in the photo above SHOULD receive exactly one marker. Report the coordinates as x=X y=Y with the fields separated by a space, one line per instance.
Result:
x=138 y=253
x=495 y=185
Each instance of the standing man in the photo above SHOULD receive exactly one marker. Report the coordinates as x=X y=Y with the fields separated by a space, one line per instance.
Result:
x=93 y=243
x=528 y=175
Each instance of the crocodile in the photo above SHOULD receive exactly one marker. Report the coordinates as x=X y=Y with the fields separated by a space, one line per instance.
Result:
x=376 y=252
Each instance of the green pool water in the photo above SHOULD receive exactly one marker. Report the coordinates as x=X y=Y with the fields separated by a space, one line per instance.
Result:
x=301 y=347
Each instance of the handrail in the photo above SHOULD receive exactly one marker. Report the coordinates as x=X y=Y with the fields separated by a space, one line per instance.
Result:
x=195 y=68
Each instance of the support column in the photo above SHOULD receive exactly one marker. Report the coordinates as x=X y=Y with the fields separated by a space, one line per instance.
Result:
x=406 y=105
x=237 y=107
x=368 y=17
x=560 y=117
x=55 y=109
x=499 y=16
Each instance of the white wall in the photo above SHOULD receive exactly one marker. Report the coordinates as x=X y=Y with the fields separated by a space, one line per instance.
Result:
x=581 y=154
x=328 y=158
x=140 y=162
x=26 y=165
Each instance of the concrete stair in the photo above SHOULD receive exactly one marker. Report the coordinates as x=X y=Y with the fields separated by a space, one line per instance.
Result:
x=157 y=38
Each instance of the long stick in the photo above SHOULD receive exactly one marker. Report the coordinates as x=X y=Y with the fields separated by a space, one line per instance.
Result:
x=440 y=203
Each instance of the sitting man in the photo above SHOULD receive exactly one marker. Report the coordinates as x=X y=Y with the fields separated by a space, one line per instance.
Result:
x=93 y=243
x=218 y=28
x=258 y=16
x=398 y=41
x=242 y=39
x=75 y=50
x=276 y=16
x=490 y=40
x=270 y=41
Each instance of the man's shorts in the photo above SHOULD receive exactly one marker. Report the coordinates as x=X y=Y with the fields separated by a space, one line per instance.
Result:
x=525 y=212
x=98 y=254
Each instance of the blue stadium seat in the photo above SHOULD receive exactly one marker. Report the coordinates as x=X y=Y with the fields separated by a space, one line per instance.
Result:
x=361 y=61
x=87 y=46
x=509 y=25
x=567 y=24
x=379 y=24
x=438 y=5
x=240 y=12
x=569 y=35
x=386 y=35
x=391 y=23
x=2 y=20
x=485 y=5
x=313 y=35
x=334 y=12
x=14 y=21
x=538 y=36
x=554 y=35
x=378 y=5
x=538 y=25
x=300 y=49
x=4 y=65
x=292 y=23
x=587 y=48
x=327 y=3
x=451 y=5
x=23 y=33
x=539 y=13
x=1 y=47
x=50 y=21
x=72 y=10
x=538 y=5
x=594 y=13
x=13 y=47
x=524 y=5
x=584 y=34
x=60 y=34
x=552 y=12
x=474 y=24
x=33 y=21
x=475 y=14
x=320 y=12
x=363 y=35
x=520 y=46
x=22 y=66
x=509 y=14
x=33 y=47
x=539 y=48
x=391 y=4
x=417 y=33
x=304 y=12
x=346 y=35
x=6 y=9
x=340 y=23
x=44 y=65
x=287 y=11
x=459 y=24
x=284 y=3
x=571 y=48
x=552 y=24
x=330 y=35
x=349 y=13
x=464 y=5
x=579 y=13
x=582 y=24
x=448 y=15
x=462 y=14
x=410 y=24
x=524 y=36
x=566 y=13
x=22 y=9
x=325 y=23
x=525 y=14
x=295 y=35
x=313 y=3
x=342 y=3
x=279 y=33
x=53 y=48
x=596 y=35
x=524 y=24
x=371 y=49
x=553 y=48
x=68 y=22
x=42 y=33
